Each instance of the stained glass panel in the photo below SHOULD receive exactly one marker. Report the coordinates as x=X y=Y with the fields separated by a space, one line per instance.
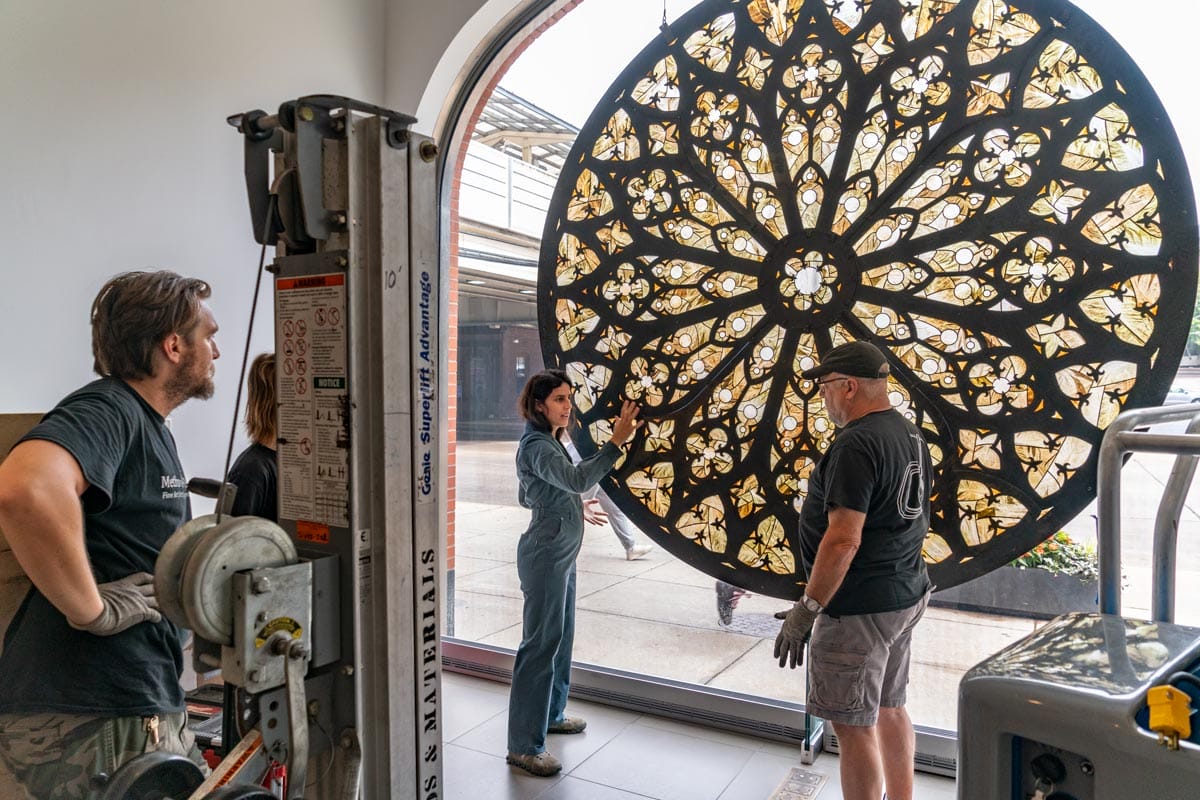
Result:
x=976 y=187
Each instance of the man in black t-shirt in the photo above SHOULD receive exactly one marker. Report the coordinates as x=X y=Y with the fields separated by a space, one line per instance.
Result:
x=89 y=675
x=862 y=526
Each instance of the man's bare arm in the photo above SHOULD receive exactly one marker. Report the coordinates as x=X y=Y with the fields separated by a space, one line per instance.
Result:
x=834 y=554
x=41 y=516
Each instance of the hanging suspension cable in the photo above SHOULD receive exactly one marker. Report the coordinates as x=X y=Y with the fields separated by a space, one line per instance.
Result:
x=237 y=403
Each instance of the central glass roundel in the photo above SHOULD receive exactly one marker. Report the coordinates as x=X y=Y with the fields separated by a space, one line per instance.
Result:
x=990 y=192
x=810 y=281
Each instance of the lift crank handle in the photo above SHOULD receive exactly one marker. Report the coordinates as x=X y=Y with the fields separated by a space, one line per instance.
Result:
x=297 y=654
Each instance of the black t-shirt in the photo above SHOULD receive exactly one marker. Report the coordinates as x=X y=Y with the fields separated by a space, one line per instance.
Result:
x=136 y=498
x=253 y=473
x=879 y=465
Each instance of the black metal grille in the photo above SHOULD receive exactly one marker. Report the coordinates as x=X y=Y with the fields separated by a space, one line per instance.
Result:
x=990 y=192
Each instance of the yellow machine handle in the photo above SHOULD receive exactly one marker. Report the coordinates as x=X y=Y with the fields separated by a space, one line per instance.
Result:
x=1170 y=714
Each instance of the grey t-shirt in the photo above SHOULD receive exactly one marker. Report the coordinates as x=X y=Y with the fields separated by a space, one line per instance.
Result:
x=880 y=465
x=136 y=498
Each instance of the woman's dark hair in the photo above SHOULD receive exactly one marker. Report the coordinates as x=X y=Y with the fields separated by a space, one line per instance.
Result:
x=260 y=398
x=134 y=312
x=537 y=389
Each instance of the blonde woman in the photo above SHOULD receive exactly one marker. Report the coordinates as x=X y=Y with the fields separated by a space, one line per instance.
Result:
x=255 y=473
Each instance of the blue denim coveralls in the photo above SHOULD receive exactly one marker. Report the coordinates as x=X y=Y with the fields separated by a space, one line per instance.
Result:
x=550 y=486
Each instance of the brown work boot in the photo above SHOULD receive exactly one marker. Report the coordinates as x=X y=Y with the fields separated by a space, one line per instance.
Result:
x=567 y=725
x=541 y=764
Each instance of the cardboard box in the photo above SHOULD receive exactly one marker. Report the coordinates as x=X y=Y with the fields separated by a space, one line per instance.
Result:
x=13 y=583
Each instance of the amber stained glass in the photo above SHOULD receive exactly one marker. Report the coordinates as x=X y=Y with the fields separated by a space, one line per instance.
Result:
x=988 y=191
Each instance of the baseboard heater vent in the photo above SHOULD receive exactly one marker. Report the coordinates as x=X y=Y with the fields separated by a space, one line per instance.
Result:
x=689 y=713
x=936 y=753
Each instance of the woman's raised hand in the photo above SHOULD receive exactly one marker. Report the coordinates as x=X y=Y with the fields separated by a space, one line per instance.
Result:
x=626 y=423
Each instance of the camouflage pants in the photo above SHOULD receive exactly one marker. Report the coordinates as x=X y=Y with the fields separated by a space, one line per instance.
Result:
x=55 y=756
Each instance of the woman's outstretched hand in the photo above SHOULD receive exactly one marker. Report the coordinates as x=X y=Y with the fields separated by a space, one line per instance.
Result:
x=593 y=513
x=626 y=423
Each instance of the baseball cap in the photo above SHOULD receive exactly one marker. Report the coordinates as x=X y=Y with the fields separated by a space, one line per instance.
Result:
x=856 y=359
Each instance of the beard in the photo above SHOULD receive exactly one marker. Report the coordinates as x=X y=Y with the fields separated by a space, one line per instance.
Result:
x=191 y=381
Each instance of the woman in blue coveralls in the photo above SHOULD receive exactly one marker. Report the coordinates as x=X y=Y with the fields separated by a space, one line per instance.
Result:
x=550 y=485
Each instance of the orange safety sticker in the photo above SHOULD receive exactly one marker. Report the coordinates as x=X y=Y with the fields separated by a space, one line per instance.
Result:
x=315 y=532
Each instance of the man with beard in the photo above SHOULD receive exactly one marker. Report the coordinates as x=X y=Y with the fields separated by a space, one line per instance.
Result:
x=89 y=675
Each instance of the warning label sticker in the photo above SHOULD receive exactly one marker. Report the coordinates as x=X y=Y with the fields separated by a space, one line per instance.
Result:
x=310 y=337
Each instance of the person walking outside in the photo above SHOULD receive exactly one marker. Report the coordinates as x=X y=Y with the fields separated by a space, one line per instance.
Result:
x=626 y=532
x=862 y=526
x=550 y=486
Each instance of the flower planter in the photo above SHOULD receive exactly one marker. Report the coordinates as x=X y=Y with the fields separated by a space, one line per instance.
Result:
x=1021 y=592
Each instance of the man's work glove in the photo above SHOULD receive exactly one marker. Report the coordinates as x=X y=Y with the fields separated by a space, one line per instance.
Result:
x=795 y=633
x=127 y=602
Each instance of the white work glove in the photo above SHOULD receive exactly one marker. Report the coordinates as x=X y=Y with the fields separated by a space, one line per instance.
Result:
x=795 y=633
x=127 y=602
x=592 y=513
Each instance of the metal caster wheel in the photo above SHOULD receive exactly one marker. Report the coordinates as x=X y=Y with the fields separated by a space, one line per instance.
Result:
x=240 y=792
x=153 y=776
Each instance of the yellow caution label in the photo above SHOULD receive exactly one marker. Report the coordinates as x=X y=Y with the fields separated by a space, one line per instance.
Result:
x=285 y=624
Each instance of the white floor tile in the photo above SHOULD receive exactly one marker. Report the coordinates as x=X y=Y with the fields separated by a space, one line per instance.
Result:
x=665 y=765
x=622 y=756
x=467 y=705
x=471 y=775
x=572 y=788
x=763 y=773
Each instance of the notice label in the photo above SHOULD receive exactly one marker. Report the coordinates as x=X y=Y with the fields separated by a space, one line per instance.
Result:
x=310 y=337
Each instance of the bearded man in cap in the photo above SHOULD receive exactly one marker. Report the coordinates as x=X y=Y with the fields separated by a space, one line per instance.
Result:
x=862 y=527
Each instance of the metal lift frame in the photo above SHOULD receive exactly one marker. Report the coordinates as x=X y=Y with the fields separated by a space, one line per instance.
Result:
x=354 y=223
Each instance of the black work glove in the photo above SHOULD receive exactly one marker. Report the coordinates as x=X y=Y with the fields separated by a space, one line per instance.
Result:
x=127 y=602
x=795 y=633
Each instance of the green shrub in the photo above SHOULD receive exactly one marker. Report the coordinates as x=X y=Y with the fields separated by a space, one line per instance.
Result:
x=1062 y=555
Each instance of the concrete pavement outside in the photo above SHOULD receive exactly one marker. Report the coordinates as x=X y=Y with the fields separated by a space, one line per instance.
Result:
x=658 y=615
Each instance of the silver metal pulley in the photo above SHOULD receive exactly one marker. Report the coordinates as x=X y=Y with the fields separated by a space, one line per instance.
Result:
x=194 y=575
x=240 y=586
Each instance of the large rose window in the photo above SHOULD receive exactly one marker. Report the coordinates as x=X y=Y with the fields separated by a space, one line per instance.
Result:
x=989 y=192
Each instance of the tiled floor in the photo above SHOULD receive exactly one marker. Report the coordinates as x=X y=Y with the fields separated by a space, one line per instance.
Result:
x=621 y=755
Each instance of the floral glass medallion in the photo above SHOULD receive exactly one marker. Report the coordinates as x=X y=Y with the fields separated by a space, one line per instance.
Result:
x=989 y=192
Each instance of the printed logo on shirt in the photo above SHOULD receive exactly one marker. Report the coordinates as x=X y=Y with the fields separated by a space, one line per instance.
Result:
x=173 y=487
x=910 y=500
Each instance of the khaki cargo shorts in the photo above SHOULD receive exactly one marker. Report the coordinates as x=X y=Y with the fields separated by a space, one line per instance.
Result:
x=859 y=663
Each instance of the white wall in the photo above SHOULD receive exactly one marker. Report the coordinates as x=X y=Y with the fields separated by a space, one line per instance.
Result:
x=421 y=36
x=429 y=59
x=115 y=155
